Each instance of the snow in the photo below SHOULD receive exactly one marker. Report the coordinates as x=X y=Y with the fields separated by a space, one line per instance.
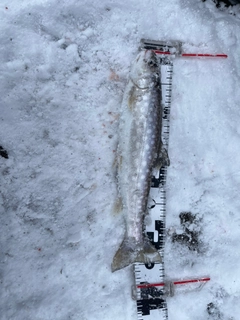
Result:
x=64 y=67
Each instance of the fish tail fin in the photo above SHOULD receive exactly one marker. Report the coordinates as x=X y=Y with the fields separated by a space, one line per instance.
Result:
x=130 y=252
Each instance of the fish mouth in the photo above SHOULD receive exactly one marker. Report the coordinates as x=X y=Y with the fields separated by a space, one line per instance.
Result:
x=147 y=58
x=150 y=58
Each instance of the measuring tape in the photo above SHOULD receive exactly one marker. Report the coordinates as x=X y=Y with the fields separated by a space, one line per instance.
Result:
x=151 y=301
x=150 y=289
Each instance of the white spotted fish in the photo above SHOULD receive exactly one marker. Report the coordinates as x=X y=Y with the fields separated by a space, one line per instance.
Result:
x=140 y=150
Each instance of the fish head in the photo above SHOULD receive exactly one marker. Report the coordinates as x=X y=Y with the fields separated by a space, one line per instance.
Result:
x=145 y=70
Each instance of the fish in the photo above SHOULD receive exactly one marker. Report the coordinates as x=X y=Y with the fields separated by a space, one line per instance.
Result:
x=140 y=150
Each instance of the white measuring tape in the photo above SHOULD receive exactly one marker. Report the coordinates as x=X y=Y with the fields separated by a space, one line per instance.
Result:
x=150 y=289
x=151 y=302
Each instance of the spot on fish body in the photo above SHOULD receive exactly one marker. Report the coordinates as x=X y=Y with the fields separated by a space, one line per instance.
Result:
x=144 y=163
x=139 y=131
x=138 y=145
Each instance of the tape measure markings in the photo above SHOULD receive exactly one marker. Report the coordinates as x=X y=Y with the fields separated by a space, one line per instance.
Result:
x=151 y=303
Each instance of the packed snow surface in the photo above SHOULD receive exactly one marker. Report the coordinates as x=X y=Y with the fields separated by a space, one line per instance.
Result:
x=64 y=66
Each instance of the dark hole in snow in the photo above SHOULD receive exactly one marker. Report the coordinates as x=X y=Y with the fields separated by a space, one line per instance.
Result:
x=213 y=311
x=64 y=46
x=227 y=3
x=191 y=232
x=3 y=153
x=186 y=218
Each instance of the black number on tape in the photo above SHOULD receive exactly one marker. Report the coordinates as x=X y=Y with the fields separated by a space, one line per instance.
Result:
x=159 y=226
